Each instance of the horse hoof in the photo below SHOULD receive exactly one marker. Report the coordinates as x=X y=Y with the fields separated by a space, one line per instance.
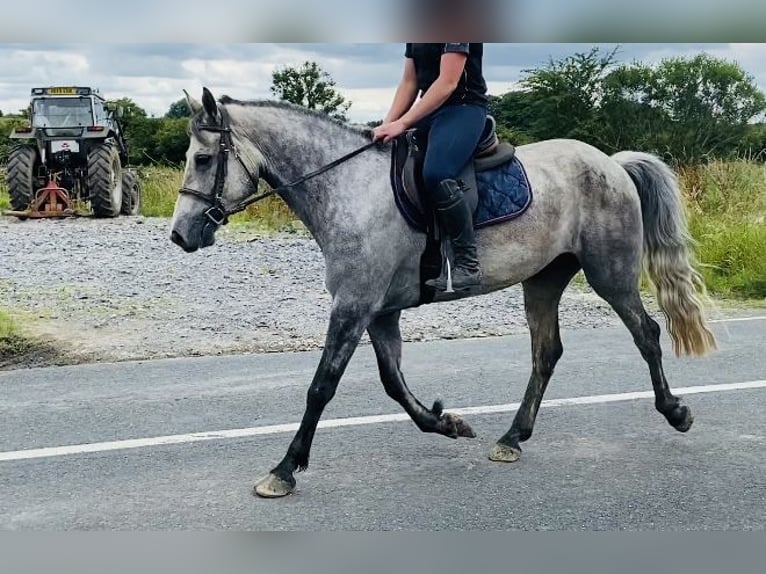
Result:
x=682 y=418
x=458 y=427
x=504 y=453
x=272 y=486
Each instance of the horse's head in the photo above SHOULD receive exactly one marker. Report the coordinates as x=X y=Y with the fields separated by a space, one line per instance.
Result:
x=222 y=169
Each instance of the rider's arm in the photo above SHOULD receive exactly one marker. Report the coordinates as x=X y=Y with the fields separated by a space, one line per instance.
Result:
x=406 y=93
x=451 y=69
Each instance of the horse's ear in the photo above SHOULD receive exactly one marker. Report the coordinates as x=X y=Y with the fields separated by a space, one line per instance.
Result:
x=208 y=102
x=194 y=105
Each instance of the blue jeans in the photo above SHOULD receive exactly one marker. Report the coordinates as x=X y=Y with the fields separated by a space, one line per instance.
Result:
x=453 y=135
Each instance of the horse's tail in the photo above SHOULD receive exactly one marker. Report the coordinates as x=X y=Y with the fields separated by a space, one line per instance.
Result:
x=668 y=255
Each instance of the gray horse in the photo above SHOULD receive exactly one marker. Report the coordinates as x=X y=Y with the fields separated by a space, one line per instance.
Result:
x=604 y=215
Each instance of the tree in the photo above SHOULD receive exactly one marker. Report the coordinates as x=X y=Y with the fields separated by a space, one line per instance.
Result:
x=170 y=140
x=311 y=87
x=514 y=111
x=140 y=133
x=627 y=117
x=179 y=109
x=753 y=145
x=6 y=127
x=685 y=109
x=132 y=113
x=129 y=107
x=563 y=97
x=711 y=103
x=139 y=128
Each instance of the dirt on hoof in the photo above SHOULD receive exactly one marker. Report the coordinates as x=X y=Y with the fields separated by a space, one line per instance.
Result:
x=458 y=426
x=504 y=453
x=272 y=486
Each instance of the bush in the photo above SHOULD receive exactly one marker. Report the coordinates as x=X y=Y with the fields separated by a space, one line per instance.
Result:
x=727 y=205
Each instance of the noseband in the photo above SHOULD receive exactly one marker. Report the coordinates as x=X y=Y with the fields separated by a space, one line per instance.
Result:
x=218 y=213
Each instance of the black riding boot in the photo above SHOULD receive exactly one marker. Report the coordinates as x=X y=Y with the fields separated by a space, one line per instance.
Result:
x=457 y=221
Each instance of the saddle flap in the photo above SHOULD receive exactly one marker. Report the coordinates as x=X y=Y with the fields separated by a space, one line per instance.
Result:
x=412 y=165
x=406 y=166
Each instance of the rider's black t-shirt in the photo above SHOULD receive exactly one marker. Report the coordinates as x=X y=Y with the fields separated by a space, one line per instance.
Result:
x=472 y=88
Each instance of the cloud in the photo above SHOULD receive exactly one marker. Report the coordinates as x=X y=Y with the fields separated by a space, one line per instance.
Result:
x=153 y=75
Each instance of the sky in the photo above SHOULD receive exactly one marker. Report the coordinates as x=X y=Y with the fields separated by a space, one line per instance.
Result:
x=154 y=75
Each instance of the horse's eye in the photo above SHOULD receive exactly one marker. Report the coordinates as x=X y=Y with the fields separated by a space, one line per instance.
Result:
x=202 y=159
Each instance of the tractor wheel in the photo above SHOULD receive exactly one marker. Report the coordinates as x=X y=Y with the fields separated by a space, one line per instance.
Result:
x=131 y=193
x=105 y=181
x=21 y=176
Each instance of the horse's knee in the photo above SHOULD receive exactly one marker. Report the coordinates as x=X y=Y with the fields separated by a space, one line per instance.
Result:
x=649 y=343
x=546 y=359
x=319 y=395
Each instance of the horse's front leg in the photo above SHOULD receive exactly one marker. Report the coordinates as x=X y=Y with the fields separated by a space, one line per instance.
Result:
x=347 y=323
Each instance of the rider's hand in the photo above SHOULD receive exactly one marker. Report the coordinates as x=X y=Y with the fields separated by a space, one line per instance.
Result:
x=389 y=131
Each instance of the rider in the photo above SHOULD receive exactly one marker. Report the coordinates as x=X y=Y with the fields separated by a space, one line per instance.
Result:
x=453 y=109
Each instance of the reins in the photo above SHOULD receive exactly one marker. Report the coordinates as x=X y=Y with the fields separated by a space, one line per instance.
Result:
x=217 y=212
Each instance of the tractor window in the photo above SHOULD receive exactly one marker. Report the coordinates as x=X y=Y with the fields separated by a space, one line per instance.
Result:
x=99 y=115
x=61 y=112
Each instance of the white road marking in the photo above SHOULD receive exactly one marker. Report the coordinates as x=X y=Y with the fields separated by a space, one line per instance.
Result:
x=350 y=421
x=738 y=320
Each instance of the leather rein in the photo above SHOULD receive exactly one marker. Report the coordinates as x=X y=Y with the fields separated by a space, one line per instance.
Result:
x=218 y=213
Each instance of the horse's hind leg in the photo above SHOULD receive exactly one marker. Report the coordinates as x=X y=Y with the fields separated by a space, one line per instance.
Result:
x=387 y=342
x=620 y=289
x=542 y=294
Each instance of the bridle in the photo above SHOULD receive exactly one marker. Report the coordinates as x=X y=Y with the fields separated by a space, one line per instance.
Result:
x=218 y=213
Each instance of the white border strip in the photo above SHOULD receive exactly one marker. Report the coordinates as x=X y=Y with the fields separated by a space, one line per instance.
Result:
x=347 y=422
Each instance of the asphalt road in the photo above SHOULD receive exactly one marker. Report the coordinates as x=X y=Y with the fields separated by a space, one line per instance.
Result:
x=597 y=463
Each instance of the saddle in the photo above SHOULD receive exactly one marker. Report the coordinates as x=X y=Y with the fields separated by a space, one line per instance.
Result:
x=495 y=185
x=408 y=153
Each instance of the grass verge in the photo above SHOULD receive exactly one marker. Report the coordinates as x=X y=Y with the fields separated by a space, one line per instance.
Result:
x=727 y=218
x=160 y=190
x=13 y=342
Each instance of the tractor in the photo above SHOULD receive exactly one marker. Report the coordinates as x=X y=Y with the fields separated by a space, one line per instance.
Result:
x=72 y=153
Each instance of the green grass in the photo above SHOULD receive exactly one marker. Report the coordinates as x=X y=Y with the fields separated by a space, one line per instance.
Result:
x=731 y=190
x=733 y=256
x=727 y=217
x=12 y=341
x=160 y=190
x=5 y=201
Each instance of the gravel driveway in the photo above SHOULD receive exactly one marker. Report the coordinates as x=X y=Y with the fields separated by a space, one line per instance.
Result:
x=109 y=290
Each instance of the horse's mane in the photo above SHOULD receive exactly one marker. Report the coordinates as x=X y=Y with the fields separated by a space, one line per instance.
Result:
x=321 y=116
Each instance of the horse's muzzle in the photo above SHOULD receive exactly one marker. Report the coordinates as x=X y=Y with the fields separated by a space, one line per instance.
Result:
x=179 y=240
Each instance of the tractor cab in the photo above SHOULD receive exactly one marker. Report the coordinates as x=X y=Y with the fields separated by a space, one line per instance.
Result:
x=63 y=112
x=72 y=152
